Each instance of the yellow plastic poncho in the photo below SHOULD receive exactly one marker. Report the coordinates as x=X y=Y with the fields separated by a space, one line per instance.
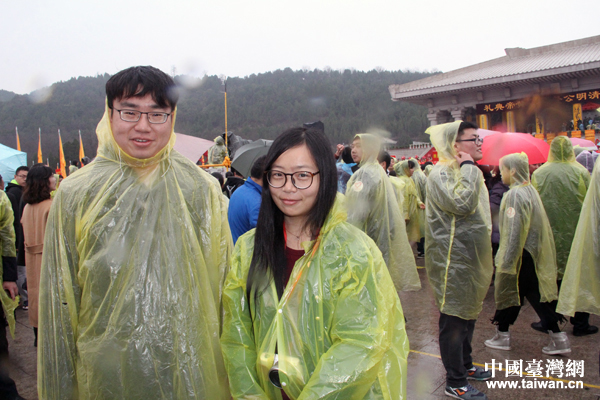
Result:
x=217 y=153
x=412 y=201
x=580 y=289
x=523 y=225
x=338 y=327
x=562 y=184
x=428 y=169
x=398 y=185
x=7 y=246
x=458 y=245
x=372 y=207
x=135 y=255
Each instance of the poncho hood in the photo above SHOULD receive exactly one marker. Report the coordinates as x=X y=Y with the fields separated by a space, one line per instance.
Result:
x=110 y=150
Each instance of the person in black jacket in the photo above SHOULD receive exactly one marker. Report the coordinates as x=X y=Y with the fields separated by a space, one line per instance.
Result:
x=8 y=389
x=14 y=190
x=233 y=182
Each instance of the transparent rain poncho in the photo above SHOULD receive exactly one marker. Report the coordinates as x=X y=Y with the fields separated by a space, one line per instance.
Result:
x=135 y=255
x=586 y=159
x=217 y=153
x=398 y=185
x=458 y=249
x=372 y=206
x=523 y=225
x=7 y=246
x=580 y=289
x=420 y=180
x=338 y=328
x=562 y=184
x=411 y=201
x=428 y=169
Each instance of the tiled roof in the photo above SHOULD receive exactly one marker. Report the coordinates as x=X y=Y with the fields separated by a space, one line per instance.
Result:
x=517 y=64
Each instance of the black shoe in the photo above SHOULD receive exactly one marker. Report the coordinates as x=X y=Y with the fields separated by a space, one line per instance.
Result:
x=538 y=327
x=590 y=330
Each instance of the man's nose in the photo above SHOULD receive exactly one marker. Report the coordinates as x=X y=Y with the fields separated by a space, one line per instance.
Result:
x=143 y=124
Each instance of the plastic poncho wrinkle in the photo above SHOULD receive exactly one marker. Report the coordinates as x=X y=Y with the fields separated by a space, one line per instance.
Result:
x=372 y=207
x=562 y=184
x=411 y=202
x=443 y=138
x=523 y=226
x=338 y=327
x=7 y=246
x=135 y=255
x=458 y=251
x=580 y=289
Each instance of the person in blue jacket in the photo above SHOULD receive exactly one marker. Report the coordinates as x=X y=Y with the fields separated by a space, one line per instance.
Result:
x=245 y=202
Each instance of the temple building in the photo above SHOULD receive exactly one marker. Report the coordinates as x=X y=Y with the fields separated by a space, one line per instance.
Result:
x=549 y=90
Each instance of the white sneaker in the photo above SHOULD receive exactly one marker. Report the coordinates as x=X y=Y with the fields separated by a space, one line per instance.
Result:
x=501 y=341
x=559 y=344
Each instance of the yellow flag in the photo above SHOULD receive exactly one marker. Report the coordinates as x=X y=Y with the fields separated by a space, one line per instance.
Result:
x=81 y=153
x=40 y=158
x=63 y=163
x=18 y=141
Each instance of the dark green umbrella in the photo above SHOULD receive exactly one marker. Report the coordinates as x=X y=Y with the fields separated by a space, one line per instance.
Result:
x=248 y=153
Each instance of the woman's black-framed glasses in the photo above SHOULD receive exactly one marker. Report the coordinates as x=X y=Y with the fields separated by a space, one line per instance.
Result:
x=134 y=116
x=476 y=140
x=301 y=179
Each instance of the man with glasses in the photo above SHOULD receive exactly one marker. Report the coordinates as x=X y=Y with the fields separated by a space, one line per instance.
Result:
x=137 y=246
x=458 y=250
x=14 y=190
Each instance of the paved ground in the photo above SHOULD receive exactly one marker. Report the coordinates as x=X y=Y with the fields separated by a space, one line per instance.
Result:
x=426 y=372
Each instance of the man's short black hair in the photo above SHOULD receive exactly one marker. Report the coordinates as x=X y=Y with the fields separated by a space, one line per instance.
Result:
x=258 y=168
x=384 y=156
x=236 y=172
x=465 y=125
x=412 y=164
x=22 y=168
x=219 y=177
x=140 y=81
x=347 y=155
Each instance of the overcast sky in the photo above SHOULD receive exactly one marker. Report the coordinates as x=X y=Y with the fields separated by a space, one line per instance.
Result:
x=47 y=41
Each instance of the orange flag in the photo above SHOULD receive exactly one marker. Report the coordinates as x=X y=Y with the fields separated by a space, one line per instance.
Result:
x=81 y=153
x=63 y=163
x=40 y=158
x=18 y=141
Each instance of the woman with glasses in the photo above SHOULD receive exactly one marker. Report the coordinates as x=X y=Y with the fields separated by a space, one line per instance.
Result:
x=41 y=181
x=310 y=308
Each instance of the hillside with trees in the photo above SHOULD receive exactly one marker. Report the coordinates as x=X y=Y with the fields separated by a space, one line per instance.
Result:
x=259 y=106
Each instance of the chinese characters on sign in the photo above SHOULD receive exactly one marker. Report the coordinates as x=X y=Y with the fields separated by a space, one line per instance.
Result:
x=537 y=369
x=500 y=106
x=582 y=96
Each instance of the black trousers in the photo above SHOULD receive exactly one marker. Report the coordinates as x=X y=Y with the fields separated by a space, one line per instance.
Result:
x=455 y=348
x=529 y=288
x=580 y=321
x=8 y=389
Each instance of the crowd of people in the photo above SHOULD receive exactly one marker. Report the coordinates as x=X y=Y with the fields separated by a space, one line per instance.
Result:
x=148 y=277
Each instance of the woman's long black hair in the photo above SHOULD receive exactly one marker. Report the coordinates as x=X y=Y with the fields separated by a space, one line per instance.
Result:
x=37 y=187
x=268 y=260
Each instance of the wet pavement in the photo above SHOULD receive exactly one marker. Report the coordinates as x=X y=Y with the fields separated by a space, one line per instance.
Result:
x=426 y=375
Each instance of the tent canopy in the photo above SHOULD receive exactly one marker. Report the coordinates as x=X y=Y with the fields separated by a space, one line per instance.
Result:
x=192 y=147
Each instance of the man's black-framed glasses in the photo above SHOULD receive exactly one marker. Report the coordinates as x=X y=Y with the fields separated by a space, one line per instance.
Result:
x=134 y=116
x=476 y=140
x=301 y=179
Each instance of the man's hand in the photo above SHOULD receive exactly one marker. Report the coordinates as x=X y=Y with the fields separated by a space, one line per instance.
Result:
x=461 y=157
x=338 y=150
x=11 y=288
x=422 y=206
